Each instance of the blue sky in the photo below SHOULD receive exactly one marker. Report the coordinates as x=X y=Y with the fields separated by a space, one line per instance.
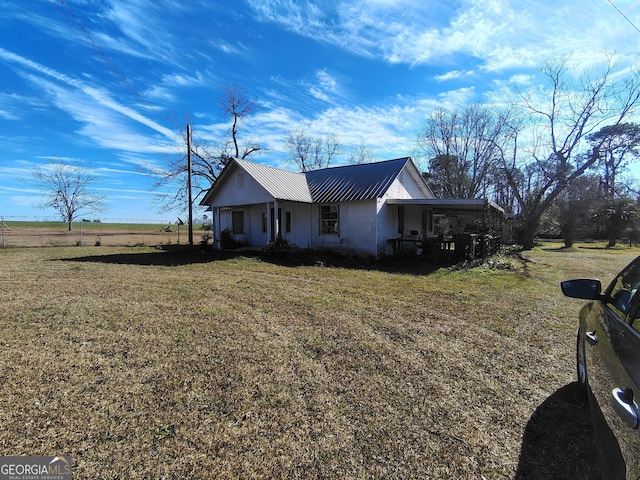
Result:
x=111 y=83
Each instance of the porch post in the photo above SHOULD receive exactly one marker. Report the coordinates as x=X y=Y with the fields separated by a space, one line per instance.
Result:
x=276 y=219
x=268 y=217
x=217 y=234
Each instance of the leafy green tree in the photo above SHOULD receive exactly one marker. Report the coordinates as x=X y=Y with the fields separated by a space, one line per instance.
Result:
x=618 y=145
x=448 y=178
x=614 y=216
x=574 y=205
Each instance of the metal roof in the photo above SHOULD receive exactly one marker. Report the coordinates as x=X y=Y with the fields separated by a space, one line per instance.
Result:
x=451 y=206
x=354 y=182
x=281 y=184
x=328 y=185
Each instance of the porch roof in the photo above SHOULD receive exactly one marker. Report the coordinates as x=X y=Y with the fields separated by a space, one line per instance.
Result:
x=452 y=206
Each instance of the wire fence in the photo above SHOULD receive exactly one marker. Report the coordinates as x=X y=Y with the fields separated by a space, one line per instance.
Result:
x=57 y=234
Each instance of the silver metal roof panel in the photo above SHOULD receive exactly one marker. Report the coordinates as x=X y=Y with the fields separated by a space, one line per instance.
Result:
x=281 y=184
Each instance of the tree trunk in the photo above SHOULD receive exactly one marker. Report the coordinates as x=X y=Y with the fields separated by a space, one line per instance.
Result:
x=531 y=224
x=568 y=237
x=70 y=225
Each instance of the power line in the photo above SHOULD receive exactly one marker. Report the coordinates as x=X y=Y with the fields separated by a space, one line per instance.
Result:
x=124 y=79
x=623 y=15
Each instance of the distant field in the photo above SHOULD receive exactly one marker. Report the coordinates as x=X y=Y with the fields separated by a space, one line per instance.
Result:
x=141 y=363
x=39 y=234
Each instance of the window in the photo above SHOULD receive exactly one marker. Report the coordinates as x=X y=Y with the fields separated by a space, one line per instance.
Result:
x=237 y=222
x=329 y=219
x=287 y=221
x=400 y=218
x=428 y=222
x=240 y=180
x=623 y=289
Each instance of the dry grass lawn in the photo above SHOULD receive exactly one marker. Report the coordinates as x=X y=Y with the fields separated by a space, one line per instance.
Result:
x=145 y=364
x=56 y=234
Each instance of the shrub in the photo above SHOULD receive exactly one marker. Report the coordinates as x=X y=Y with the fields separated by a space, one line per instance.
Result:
x=228 y=241
x=280 y=245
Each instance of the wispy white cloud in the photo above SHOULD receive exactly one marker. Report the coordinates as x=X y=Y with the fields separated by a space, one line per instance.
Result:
x=500 y=34
x=436 y=54
x=92 y=106
x=325 y=86
x=8 y=116
x=453 y=74
x=230 y=48
x=141 y=28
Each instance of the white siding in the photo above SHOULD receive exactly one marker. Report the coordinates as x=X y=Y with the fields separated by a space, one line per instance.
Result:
x=405 y=186
x=300 y=234
x=414 y=219
x=387 y=226
x=242 y=190
x=357 y=225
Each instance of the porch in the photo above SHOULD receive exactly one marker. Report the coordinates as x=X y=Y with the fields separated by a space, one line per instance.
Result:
x=473 y=228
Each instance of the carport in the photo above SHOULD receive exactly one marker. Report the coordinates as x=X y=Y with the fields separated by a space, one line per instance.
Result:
x=478 y=226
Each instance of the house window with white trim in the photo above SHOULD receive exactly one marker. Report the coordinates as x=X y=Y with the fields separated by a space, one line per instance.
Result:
x=329 y=219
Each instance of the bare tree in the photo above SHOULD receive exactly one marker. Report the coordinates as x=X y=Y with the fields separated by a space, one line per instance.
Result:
x=558 y=131
x=208 y=158
x=361 y=154
x=67 y=189
x=312 y=153
x=462 y=148
x=236 y=106
x=503 y=191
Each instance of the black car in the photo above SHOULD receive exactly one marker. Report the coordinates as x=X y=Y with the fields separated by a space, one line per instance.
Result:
x=608 y=364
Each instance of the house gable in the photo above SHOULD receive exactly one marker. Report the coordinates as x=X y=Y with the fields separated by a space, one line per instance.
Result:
x=237 y=188
x=244 y=183
x=281 y=184
x=409 y=184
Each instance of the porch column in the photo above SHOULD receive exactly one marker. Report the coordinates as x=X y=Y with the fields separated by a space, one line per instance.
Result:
x=217 y=230
x=268 y=220
x=276 y=220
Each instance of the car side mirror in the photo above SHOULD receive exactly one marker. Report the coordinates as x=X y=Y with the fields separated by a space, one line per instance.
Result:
x=587 y=288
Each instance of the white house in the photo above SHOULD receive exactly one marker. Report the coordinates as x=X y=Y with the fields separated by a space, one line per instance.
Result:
x=370 y=209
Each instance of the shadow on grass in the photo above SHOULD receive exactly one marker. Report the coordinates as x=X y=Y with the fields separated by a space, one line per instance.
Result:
x=157 y=258
x=194 y=255
x=558 y=440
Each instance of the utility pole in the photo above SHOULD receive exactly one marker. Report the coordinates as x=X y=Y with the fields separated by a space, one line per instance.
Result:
x=189 y=184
